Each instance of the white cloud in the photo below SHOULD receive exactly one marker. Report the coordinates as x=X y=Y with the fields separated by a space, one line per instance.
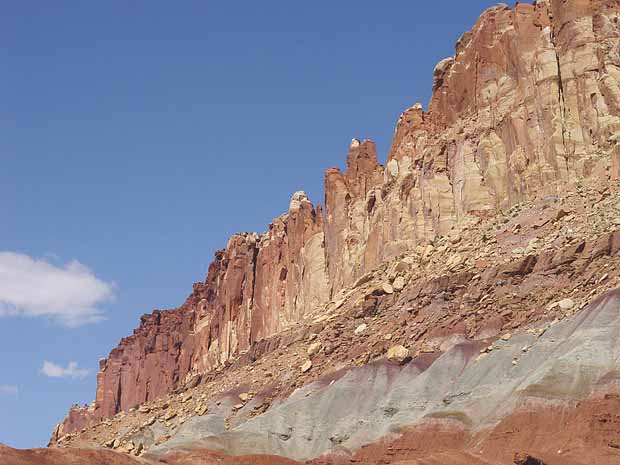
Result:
x=35 y=287
x=8 y=390
x=56 y=371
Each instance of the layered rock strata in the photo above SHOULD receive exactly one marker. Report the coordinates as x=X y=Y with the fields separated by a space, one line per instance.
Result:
x=528 y=106
x=506 y=282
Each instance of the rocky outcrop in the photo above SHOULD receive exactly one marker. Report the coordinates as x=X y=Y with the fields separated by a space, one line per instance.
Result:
x=350 y=199
x=528 y=106
x=260 y=285
x=256 y=287
x=504 y=282
x=146 y=364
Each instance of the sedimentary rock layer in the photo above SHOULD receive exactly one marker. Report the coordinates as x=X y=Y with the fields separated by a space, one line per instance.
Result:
x=528 y=105
x=466 y=387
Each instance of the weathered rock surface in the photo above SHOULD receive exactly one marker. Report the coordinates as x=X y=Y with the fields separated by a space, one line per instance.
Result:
x=528 y=107
x=398 y=354
x=256 y=287
x=568 y=363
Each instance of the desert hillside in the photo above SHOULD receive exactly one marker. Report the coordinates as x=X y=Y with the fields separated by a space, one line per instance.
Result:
x=459 y=305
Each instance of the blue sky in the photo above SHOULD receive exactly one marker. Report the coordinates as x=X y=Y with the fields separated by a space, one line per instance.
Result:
x=137 y=136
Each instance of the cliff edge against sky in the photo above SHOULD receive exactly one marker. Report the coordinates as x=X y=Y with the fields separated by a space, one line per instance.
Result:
x=484 y=240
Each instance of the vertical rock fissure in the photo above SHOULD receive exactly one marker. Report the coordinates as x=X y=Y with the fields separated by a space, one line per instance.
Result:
x=476 y=83
x=330 y=284
x=251 y=308
x=561 y=100
x=117 y=403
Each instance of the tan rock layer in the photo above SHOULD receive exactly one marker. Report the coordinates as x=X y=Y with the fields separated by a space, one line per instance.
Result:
x=528 y=105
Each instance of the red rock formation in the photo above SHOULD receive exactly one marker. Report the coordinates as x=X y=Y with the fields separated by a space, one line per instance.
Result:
x=349 y=202
x=256 y=287
x=224 y=311
x=56 y=456
x=291 y=269
x=10 y=456
x=529 y=104
x=148 y=363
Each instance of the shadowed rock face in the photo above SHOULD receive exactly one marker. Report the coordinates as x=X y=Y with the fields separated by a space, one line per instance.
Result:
x=529 y=105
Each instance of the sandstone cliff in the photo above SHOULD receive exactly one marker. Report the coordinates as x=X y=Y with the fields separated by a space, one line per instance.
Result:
x=528 y=106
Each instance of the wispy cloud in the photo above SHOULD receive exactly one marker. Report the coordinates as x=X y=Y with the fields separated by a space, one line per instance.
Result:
x=71 y=371
x=8 y=390
x=69 y=294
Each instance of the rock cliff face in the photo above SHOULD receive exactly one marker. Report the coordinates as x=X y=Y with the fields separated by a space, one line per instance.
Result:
x=254 y=288
x=529 y=105
x=526 y=106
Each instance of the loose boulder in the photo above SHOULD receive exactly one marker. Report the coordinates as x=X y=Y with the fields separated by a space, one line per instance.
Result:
x=387 y=288
x=306 y=366
x=398 y=354
x=360 y=329
x=314 y=349
x=399 y=284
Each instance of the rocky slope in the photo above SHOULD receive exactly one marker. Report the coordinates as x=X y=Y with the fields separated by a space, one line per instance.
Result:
x=490 y=327
x=447 y=290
